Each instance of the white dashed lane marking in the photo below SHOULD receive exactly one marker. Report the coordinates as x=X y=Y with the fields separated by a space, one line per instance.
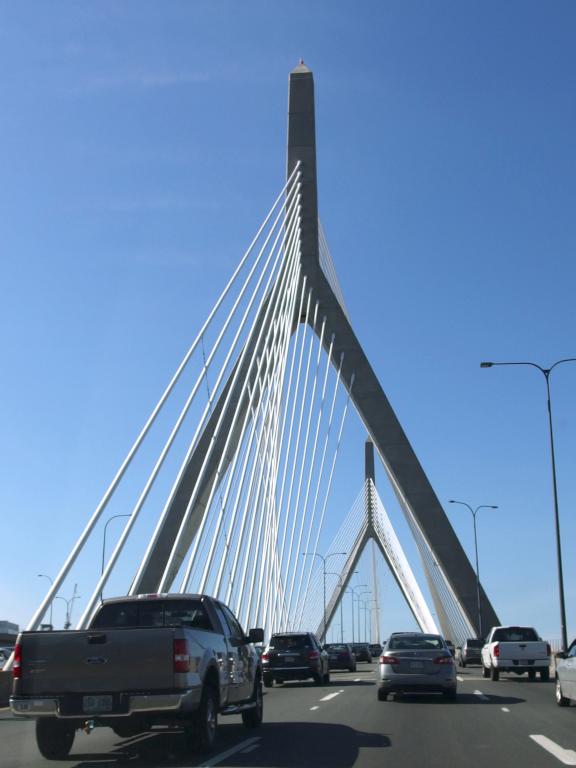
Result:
x=505 y=709
x=242 y=747
x=331 y=696
x=460 y=679
x=481 y=696
x=313 y=708
x=566 y=756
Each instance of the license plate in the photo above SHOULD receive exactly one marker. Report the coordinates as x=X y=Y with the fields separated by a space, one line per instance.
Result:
x=290 y=659
x=333 y=658
x=92 y=704
x=416 y=665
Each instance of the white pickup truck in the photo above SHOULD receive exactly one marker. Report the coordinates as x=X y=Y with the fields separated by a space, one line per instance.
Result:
x=515 y=649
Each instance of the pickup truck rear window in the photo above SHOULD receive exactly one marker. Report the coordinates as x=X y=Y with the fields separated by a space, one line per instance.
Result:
x=515 y=635
x=153 y=613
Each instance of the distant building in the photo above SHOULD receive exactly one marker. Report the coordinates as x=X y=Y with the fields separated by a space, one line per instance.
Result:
x=8 y=632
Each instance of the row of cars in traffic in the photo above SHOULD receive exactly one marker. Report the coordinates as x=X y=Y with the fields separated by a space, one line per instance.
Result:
x=300 y=656
x=177 y=660
x=418 y=662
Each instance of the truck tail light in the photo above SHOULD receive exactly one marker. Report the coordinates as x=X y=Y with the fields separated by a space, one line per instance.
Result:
x=548 y=650
x=181 y=656
x=444 y=660
x=496 y=650
x=314 y=655
x=17 y=663
x=386 y=658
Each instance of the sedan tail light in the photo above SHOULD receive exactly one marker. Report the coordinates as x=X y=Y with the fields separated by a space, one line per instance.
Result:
x=443 y=660
x=388 y=659
x=265 y=657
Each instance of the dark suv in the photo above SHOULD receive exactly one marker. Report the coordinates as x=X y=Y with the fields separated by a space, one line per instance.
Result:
x=294 y=656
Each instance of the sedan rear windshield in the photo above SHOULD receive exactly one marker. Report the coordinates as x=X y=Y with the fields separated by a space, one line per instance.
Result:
x=515 y=635
x=416 y=643
x=289 y=642
x=153 y=613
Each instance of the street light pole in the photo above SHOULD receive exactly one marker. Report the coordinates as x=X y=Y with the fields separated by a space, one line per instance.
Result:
x=546 y=373
x=51 y=580
x=474 y=512
x=324 y=559
x=366 y=592
x=353 y=590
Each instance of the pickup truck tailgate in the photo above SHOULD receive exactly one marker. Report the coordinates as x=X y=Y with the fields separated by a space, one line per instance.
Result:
x=111 y=660
x=523 y=651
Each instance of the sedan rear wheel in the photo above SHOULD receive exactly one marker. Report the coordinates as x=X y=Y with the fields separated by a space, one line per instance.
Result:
x=561 y=700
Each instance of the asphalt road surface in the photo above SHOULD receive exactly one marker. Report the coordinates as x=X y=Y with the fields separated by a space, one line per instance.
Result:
x=509 y=723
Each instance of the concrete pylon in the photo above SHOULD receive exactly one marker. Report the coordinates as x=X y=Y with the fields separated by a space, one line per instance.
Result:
x=408 y=479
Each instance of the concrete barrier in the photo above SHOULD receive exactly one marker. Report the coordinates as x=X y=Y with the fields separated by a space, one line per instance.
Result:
x=5 y=687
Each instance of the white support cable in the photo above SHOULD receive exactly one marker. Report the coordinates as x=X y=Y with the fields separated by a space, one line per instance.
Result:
x=312 y=465
x=321 y=470
x=336 y=451
x=199 y=479
x=276 y=576
x=299 y=343
x=136 y=510
x=293 y=196
x=220 y=520
x=286 y=563
x=294 y=557
x=103 y=503
x=276 y=302
x=237 y=503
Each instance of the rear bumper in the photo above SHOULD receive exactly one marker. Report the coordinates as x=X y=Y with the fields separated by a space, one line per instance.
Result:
x=125 y=705
x=291 y=673
x=523 y=665
x=415 y=684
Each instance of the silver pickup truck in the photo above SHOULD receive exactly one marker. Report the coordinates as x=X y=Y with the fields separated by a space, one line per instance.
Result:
x=150 y=660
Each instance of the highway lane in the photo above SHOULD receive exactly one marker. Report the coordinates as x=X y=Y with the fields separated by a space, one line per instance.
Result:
x=343 y=724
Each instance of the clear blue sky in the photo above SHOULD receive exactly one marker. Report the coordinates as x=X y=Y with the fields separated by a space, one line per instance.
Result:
x=140 y=145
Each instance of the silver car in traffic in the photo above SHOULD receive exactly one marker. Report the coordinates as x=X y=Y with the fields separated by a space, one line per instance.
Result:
x=566 y=676
x=414 y=662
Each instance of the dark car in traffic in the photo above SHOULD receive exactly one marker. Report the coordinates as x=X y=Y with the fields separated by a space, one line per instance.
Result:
x=362 y=651
x=470 y=652
x=375 y=650
x=294 y=656
x=341 y=656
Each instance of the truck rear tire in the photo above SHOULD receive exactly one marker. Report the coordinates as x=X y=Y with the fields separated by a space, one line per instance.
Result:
x=485 y=671
x=252 y=718
x=54 y=738
x=545 y=675
x=202 y=733
x=531 y=675
x=494 y=674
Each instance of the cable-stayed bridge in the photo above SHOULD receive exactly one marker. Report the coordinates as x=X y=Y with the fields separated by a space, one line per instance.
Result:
x=240 y=483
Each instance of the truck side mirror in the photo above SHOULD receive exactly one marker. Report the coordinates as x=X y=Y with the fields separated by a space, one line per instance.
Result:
x=256 y=636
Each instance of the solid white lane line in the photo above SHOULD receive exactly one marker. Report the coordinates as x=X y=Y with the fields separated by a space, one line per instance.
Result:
x=313 y=708
x=481 y=695
x=566 y=756
x=505 y=709
x=331 y=696
x=223 y=755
